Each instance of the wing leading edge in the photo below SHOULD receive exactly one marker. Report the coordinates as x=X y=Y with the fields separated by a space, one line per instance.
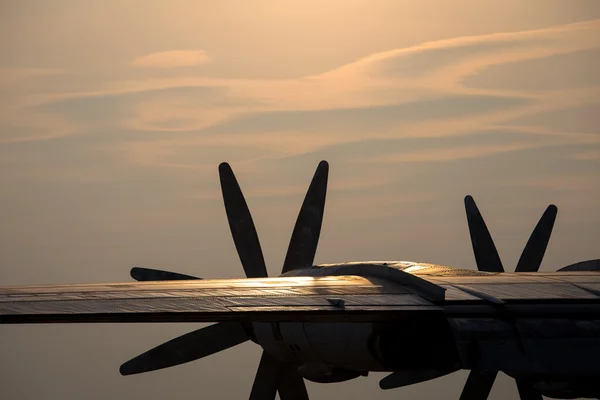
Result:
x=341 y=298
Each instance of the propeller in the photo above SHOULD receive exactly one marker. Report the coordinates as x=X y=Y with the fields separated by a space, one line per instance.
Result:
x=148 y=274
x=486 y=255
x=410 y=377
x=272 y=375
x=241 y=225
x=305 y=237
x=189 y=347
x=301 y=252
x=479 y=384
x=266 y=379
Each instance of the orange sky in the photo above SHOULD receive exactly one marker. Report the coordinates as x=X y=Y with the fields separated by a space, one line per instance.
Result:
x=114 y=116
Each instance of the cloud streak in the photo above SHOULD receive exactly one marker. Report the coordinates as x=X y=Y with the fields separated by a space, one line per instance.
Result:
x=426 y=90
x=172 y=59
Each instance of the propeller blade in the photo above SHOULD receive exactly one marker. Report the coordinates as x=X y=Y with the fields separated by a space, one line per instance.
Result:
x=189 y=347
x=589 y=265
x=527 y=391
x=486 y=255
x=149 y=274
x=532 y=255
x=241 y=225
x=405 y=378
x=305 y=237
x=291 y=386
x=478 y=385
x=266 y=379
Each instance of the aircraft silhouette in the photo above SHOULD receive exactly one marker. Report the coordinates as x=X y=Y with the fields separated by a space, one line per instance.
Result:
x=336 y=322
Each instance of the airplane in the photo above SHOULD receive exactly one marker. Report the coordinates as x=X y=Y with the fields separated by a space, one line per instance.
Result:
x=335 y=322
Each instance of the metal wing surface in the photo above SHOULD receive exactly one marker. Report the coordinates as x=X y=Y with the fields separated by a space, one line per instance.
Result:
x=535 y=287
x=340 y=298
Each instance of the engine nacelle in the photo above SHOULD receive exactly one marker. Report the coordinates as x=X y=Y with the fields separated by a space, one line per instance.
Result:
x=333 y=352
x=325 y=352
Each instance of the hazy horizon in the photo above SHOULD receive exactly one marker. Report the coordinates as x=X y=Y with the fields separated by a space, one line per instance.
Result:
x=115 y=115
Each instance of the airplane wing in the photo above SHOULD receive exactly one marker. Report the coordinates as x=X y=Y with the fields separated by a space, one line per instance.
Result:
x=339 y=298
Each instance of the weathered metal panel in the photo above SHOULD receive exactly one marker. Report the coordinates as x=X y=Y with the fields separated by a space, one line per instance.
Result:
x=455 y=294
x=387 y=289
x=592 y=287
x=322 y=312
x=342 y=298
x=346 y=301
x=380 y=270
x=492 y=279
x=278 y=286
x=578 y=277
x=534 y=291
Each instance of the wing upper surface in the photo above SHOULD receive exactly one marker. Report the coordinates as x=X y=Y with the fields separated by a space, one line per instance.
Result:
x=328 y=298
x=347 y=298
x=531 y=287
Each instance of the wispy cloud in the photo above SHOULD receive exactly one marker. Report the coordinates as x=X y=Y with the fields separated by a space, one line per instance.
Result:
x=422 y=91
x=172 y=59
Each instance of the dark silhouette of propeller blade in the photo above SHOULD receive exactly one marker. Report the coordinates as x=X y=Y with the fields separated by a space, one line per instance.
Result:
x=241 y=225
x=534 y=250
x=486 y=255
x=149 y=274
x=189 y=347
x=291 y=385
x=405 y=378
x=266 y=379
x=478 y=385
x=305 y=237
x=589 y=265
x=527 y=391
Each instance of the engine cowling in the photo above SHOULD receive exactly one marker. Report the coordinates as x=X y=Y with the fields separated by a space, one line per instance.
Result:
x=325 y=352
x=334 y=352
